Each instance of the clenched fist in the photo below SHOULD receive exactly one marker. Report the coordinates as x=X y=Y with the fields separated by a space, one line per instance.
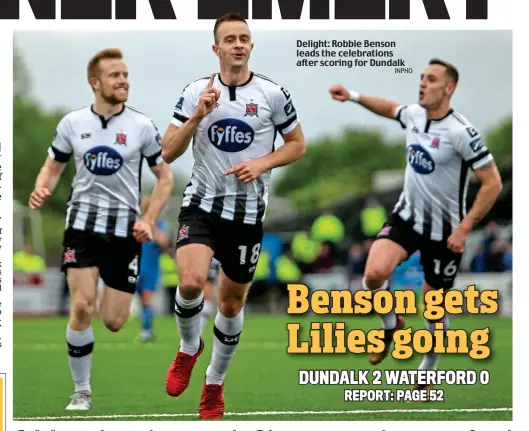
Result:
x=339 y=92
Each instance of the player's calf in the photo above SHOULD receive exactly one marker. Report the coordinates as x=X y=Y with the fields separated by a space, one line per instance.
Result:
x=115 y=308
x=114 y=323
x=227 y=328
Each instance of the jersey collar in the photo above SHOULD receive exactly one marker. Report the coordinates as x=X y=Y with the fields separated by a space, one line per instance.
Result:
x=429 y=122
x=233 y=88
x=105 y=121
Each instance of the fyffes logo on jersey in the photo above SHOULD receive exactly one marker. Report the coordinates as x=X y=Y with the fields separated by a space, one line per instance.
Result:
x=420 y=160
x=231 y=135
x=103 y=160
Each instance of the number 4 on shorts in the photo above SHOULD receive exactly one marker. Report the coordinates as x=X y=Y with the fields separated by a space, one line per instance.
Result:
x=449 y=269
x=133 y=265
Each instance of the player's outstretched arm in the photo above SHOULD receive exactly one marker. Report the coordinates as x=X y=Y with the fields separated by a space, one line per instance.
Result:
x=293 y=148
x=383 y=107
x=177 y=138
x=46 y=182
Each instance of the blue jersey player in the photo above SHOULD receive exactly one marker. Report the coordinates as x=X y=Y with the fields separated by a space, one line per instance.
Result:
x=150 y=273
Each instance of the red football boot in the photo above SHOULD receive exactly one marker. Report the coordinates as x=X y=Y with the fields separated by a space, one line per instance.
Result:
x=211 y=402
x=179 y=372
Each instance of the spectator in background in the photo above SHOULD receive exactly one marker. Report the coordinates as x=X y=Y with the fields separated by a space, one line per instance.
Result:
x=325 y=260
x=372 y=217
x=491 y=234
x=367 y=245
x=478 y=261
x=29 y=263
x=304 y=251
x=287 y=272
x=494 y=260
x=356 y=262
x=327 y=227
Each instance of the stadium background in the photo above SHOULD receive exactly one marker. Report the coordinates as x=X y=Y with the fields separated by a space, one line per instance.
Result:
x=323 y=214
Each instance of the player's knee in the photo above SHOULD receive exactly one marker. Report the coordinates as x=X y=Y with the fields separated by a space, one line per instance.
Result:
x=191 y=284
x=375 y=276
x=114 y=324
x=82 y=309
x=231 y=307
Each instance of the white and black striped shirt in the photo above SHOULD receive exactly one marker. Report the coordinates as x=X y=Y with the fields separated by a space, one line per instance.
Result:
x=243 y=126
x=108 y=158
x=439 y=155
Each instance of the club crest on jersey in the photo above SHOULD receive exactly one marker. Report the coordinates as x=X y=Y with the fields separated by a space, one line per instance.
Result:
x=435 y=143
x=69 y=256
x=121 y=139
x=420 y=160
x=183 y=233
x=251 y=110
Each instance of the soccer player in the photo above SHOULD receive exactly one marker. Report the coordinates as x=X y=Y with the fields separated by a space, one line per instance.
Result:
x=431 y=214
x=104 y=226
x=233 y=117
x=150 y=272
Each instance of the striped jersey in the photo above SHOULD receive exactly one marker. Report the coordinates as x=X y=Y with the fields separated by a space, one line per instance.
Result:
x=439 y=155
x=243 y=126
x=108 y=156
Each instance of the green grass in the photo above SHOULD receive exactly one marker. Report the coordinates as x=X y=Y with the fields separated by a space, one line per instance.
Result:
x=129 y=378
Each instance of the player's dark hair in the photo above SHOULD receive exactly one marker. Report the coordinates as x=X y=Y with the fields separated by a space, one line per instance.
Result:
x=228 y=17
x=451 y=70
